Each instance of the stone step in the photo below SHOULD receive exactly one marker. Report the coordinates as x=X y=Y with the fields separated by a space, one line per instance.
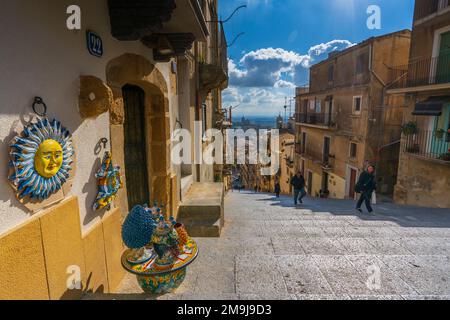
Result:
x=202 y=210
x=204 y=230
x=199 y=212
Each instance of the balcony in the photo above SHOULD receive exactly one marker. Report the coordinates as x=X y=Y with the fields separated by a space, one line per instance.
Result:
x=422 y=73
x=433 y=145
x=426 y=10
x=169 y=27
x=215 y=75
x=317 y=156
x=316 y=119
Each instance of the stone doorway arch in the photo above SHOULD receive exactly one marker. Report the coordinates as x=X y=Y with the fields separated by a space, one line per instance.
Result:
x=135 y=70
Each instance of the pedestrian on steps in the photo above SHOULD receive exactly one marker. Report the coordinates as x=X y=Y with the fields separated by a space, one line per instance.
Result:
x=299 y=184
x=277 y=188
x=366 y=186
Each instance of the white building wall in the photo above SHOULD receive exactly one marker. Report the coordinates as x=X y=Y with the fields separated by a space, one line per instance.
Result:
x=39 y=56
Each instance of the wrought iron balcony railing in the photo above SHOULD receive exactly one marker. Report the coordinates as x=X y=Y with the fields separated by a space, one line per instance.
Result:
x=428 y=144
x=320 y=119
x=426 y=8
x=215 y=74
x=327 y=161
x=423 y=72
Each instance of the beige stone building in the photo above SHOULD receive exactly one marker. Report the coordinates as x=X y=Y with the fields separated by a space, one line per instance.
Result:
x=252 y=177
x=424 y=85
x=251 y=174
x=160 y=68
x=342 y=121
x=287 y=161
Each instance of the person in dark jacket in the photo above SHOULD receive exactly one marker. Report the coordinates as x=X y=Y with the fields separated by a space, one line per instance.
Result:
x=277 y=188
x=366 y=186
x=298 y=182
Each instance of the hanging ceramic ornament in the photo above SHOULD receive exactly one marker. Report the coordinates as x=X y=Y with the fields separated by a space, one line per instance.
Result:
x=41 y=158
x=109 y=183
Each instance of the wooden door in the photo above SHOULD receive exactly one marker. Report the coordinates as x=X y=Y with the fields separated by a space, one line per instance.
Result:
x=135 y=146
x=310 y=182
x=353 y=174
x=326 y=150
x=325 y=178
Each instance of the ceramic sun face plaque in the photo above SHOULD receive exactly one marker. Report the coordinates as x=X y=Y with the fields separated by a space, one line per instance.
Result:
x=41 y=159
x=109 y=183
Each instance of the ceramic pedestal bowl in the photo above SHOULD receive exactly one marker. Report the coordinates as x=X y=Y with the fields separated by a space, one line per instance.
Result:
x=162 y=283
x=158 y=279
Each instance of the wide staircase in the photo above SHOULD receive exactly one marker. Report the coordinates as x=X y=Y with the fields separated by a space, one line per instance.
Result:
x=201 y=210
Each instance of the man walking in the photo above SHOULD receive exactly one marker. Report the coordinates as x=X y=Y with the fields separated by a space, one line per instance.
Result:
x=366 y=186
x=298 y=182
x=277 y=188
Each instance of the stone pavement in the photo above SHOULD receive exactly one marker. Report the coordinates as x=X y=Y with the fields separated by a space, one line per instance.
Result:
x=321 y=250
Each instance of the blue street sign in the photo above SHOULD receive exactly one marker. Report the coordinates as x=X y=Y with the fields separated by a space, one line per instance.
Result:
x=94 y=44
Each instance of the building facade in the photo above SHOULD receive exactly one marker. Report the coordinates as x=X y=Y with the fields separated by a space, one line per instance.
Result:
x=124 y=82
x=287 y=161
x=342 y=123
x=424 y=85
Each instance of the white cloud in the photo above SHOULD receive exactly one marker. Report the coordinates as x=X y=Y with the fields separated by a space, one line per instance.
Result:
x=284 y=84
x=262 y=79
x=322 y=50
x=276 y=67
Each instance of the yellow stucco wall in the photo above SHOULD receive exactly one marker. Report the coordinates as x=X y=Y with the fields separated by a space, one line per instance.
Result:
x=422 y=182
x=22 y=264
x=95 y=260
x=317 y=184
x=63 y=247
x=37 y=257
x=336 y=185
x=112 y=225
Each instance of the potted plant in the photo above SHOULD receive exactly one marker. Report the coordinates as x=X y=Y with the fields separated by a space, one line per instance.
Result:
x=410 y=128
x=445 y=156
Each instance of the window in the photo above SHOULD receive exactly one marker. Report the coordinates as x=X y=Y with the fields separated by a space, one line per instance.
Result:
x=318 y=106
x=331 y=73
x=353 y=150
x=357 y=104
x=303 y=142
x=305 y=106
x=361 y=64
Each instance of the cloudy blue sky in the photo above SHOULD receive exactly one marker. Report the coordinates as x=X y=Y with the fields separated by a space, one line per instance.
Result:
x=283 y=38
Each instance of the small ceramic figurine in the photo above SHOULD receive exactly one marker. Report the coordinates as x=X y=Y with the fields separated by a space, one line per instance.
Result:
x=41 y=158
x=109 y=183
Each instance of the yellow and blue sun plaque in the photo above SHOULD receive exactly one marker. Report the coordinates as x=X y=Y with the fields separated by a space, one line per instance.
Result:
x=41 y=158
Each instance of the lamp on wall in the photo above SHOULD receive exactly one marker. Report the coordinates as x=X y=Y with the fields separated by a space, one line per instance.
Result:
x=164 y=47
